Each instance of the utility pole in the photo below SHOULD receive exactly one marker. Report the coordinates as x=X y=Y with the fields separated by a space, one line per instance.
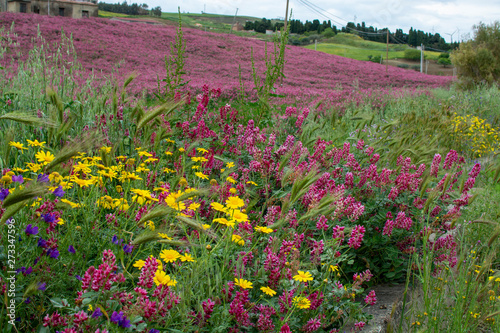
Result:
x=387 y=52
x=421 y=58
x=234 y=20
x=48 y=7
x=286 y=15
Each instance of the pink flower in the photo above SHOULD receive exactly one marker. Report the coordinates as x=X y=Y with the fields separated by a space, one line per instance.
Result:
x=357 y=234
x=371 y=298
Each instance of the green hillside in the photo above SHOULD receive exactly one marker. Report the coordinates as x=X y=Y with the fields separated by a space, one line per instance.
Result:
x=354 y=47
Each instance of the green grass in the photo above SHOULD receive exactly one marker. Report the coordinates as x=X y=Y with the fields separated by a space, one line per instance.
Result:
x=103 y=13
x=354 y=47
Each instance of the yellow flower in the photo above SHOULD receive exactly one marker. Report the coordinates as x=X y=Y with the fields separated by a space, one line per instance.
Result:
x=60 y=221
x=334 y=268
x=243 y=283
x=44 y=157
x=252 y=183
x=164 y=236
x=105 y=150
x=105 y=202
x=187 y=257
x=182 y=150
x=239 y=216
x=225 y=222
x=217 y=206
x=19 y=170
x=201 y=175
x=302 y=302
x=55 y=177
x=121 y=204
x=167 y=170
x=202 y=150
x=168 y=153
x=169 y=255
x=171 y=201
x=72 y=204
x=206 y=226
x=151 y=160
x=150 y=224
x=35 y=143
x=268 y=291
x=238 y=240
x=82 y=182
x=231 y=180
x=17 y=145
x=144 y=153
x=229 y=165
x=170 y=140
x=232 y=190
x=33 y=167
x=139 y=264
x=162 y=278
x=265 y=230
x=303 y=276
x=234 y=202
x=194 y=206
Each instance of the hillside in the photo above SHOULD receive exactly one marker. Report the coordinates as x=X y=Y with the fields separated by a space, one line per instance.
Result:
x=106 y=46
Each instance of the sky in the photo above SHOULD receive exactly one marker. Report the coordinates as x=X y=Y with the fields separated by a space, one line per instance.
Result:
x=450 y=18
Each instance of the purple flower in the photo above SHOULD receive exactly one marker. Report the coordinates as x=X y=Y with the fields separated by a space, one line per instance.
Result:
x=97 y=313
x=114 y=239
x=120 y=319
x=78 y=277
x=18 y=179
x=128 y=248
x=71 y=249
x=59 y=192
x=53 y=253
x=42 y=242
x=154 y=330
x=27 y=301
x=49 y=217
x=31 y=230
x=43 y=178
x=42 y=286
x=3 y=194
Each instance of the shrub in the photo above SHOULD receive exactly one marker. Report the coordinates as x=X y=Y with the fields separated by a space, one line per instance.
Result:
x=444 y=61
x=415 y=67
x=376 y=59
x=412 y=54
x=478 y=60
x=444 y=55
x=328 y=33
x=403 y=66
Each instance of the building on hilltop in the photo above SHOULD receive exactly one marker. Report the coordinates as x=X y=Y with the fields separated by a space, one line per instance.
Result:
x=74 y=8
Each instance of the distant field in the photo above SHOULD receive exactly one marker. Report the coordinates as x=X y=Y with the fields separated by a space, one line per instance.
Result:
x=103 y=13
x=354 y=47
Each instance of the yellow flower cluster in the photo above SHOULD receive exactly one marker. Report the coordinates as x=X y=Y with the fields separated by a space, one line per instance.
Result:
x=481 y=137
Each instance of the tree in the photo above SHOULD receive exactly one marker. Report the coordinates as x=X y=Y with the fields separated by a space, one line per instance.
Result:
x=478 y=60
x=156 y=11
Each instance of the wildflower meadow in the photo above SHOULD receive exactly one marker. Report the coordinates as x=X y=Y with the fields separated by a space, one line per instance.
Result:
x=162 y=179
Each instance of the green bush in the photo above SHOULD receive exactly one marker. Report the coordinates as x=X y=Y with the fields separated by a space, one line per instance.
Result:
x=444 y=61
x=444 y=55
x=412 y=54
x=403 y=66
x=478 y=60
x=376 y=58
x=415 y=67
x=328 y=33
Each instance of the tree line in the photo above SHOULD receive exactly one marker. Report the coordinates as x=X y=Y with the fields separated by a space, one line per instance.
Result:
x=133 y=9
x=412 y=38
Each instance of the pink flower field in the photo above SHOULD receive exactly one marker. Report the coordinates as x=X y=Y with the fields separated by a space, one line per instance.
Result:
x=106 y=46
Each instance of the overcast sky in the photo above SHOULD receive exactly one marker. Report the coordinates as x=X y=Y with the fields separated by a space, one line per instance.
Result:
x=438 y=16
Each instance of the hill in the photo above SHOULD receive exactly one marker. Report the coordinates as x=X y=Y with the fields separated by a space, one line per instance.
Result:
x=106 y=46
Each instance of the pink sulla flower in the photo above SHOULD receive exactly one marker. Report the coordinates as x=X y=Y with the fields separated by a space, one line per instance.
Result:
x=371 y=298
x=356 y=239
